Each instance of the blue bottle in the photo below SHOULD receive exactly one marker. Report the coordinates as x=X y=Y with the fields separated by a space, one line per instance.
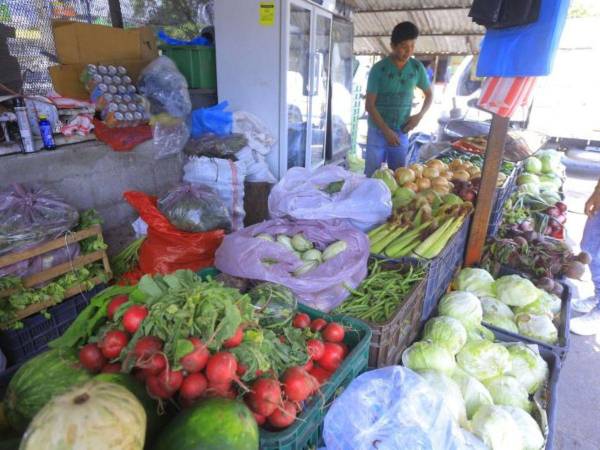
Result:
x=46 y=133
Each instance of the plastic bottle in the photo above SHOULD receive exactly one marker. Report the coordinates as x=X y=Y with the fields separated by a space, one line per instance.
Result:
x=24 y=126
x=46 y=132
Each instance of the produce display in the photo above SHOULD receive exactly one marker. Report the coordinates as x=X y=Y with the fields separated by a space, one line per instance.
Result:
x=512 y=303
x=488 y=386
x=386 y=287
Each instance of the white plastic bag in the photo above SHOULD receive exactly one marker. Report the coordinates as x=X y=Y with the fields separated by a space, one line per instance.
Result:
x=397 y=409
x=260 y=138
x=225 y=177
x=301 y=194
x=257 y=169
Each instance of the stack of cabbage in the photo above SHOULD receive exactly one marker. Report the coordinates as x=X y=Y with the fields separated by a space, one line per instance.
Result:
x=543 y=176
x=512 y=303
x=486 y=385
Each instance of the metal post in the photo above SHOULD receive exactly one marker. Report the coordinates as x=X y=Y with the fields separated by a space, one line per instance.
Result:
x=115 y=13
x=487 y=190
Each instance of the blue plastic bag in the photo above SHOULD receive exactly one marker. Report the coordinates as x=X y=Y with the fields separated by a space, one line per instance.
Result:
x=212 y=120
x=198 y=40
x=526 y=51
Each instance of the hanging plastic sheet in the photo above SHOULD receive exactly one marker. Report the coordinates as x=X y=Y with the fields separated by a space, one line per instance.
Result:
x=525 y=51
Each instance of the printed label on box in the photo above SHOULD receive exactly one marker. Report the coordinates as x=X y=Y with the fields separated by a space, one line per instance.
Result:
x=266 y=13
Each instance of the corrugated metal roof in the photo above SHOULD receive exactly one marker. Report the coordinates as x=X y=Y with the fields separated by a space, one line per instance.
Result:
x=444 y=25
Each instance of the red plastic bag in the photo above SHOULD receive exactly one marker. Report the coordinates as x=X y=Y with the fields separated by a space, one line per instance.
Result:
x=166 y=249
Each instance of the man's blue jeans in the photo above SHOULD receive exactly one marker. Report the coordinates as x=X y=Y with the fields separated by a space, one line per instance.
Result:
x=591 y=244
x=379 y=151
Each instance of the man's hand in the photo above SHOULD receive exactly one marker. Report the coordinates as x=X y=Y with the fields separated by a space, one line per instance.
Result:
x=391 y=138
x=592 y=206
x=412 y=123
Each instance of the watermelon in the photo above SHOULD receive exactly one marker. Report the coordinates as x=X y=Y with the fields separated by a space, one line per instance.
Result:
x=213 y=424
x=275 y=304
x=155 y=420
x=37 y=381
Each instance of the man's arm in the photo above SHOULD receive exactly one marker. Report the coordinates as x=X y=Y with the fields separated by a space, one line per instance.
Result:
x=413 y=121
x=390 y=136
x=592 y=206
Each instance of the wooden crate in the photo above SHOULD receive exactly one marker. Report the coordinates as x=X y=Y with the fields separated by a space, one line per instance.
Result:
x=56 y=271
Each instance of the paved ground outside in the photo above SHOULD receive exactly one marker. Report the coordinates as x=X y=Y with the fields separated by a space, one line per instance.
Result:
x=578 y=418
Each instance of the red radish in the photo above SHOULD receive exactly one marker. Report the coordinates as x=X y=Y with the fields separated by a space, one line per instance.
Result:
x=320 y=374
x=114 y=305
x=113 y=342
x=154 y=365
x=553 y=211
x=259 y=373
x=147 y=346
x=282 y=339
x=283 y=417
x=260 y=419
x=140 y=374
x=92 y=358
x=111 y=368
x=309 y=365
x=156 y=389
x=561 y=218
x=196 y=360
x=297 y=384
x=265 y=396
x=315 y=349
x=301 y=320
x=193 y=386
x=333 y=357
x=241 y=369
x=171 y=380
x=236 y=339
x=224 y=390
x=133 y=317
x=333 y=332
x=345 y=349
x=318 y=324
x=221 y=368
x=562 y=207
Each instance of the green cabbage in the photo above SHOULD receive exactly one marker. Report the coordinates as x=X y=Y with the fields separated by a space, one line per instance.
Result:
x=497 y=429
x=532 y=436
x=480 y=333
x=514 y=290
x=537 y=327
x=506 y=390
x=424 y=355
x=463 y=306
x=533 y=165
x=446 y=332
x=530 y=188
x=476 y=281
x=483 y=359
x=528 y=178
x=474 y=393
x=552 y=302
x=527 y=366
x=450 y=392
x=551 y=161
x=504 y=323
x=543 y=306
x=493 y=306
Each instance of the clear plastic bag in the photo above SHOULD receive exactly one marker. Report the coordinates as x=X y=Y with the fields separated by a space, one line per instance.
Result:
x=170 y=137
x=30 y=215
x=302 y=194
x=165 y=88
x=195 y=208
x=260 y=138
x=257 y=169
x=397 y=409
x=40 y=263
x=216 y=146
x=243 y=255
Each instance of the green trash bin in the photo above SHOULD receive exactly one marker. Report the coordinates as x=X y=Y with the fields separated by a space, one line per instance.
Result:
x=197 y=63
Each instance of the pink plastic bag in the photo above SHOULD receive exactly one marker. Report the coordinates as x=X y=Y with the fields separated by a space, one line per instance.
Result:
x=242 y=254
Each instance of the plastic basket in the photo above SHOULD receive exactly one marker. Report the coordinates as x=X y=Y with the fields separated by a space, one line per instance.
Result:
x=197 y=63
x=22 y=344
x=6 y=376
x=502 y=195
x=307 y=430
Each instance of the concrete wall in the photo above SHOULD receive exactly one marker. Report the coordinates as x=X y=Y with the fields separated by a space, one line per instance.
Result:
x=91 y=175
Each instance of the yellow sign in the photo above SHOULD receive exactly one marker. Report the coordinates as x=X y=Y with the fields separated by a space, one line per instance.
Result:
x=266 y=13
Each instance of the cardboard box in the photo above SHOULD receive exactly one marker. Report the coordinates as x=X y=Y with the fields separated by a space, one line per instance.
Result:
x=78 y=42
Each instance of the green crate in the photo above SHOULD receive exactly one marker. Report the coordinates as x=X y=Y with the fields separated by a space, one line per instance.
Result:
x=197 y=63
x=306 y=432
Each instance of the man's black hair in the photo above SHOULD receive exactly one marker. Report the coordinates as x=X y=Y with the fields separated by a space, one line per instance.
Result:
x=404 y=31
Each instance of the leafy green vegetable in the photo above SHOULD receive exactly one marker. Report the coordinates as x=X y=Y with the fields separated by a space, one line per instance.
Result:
x=93 y=243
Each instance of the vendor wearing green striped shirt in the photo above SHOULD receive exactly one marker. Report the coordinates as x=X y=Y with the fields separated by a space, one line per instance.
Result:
x=390 y=92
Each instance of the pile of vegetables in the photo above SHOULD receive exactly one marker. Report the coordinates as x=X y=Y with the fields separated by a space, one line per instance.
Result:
x=457 y=159
x=305 y=250
x=386 y=287
x=491 y=388
x=422 y=224
x=532 y=253
x=188 y=339
x=512 y=303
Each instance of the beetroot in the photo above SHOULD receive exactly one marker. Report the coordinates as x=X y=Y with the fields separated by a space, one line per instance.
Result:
x=92 y=358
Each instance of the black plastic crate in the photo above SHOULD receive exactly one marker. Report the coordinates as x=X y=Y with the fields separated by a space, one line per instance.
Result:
x=22 y=344
x=502 y=195
x=6 y=376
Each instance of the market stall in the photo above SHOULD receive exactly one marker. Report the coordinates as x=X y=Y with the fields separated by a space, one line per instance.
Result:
x=384 y=309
